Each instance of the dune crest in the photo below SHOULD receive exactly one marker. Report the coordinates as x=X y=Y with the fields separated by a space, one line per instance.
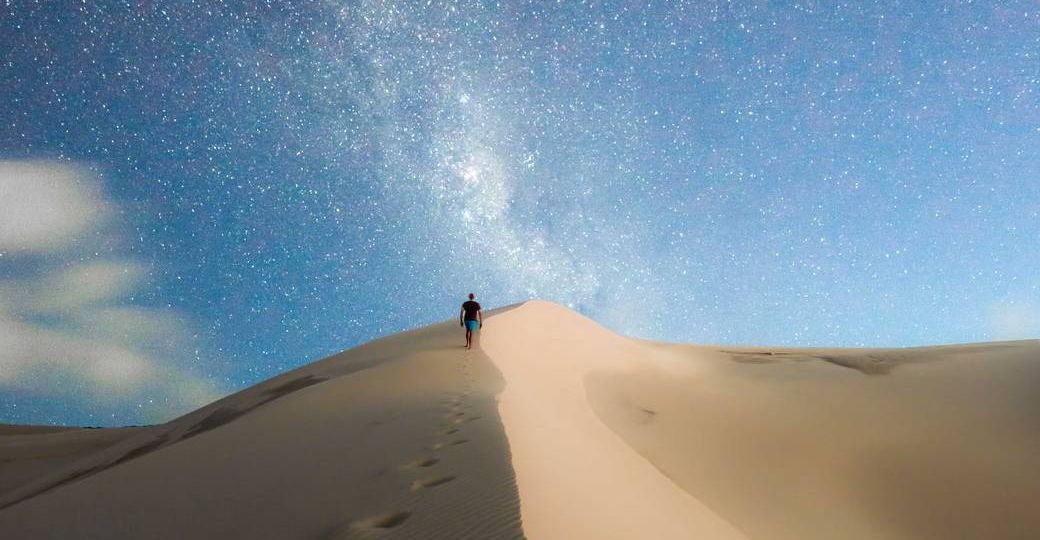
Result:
x=577 y=478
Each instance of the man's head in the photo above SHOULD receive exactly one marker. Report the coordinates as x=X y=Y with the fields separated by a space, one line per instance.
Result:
x=471 y=297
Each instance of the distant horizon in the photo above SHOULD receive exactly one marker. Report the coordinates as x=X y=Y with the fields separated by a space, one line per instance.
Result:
x=722 y=346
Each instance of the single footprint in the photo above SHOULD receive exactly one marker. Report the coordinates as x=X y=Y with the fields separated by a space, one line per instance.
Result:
x=439 y=446
x=422 y=463
x=431 y=482
x=386 y=520
x=451 y=431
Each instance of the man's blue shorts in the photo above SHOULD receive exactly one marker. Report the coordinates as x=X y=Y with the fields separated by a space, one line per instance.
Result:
x=472 y=325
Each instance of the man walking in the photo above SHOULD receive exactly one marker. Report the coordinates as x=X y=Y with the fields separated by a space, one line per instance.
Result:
x=472 y=318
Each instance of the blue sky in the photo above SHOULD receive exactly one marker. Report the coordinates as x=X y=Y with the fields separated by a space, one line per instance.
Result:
x=253 y=186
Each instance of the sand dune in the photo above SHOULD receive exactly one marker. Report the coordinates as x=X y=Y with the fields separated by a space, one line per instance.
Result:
x=938 y=442
x=578 y=431
x=399 y=438
x=28 y=453
x=577 y=477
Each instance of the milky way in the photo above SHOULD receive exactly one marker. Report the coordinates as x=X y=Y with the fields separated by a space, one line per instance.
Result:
x=301 y=179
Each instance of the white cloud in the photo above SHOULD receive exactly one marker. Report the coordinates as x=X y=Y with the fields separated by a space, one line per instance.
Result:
x=87 y=284
x=44 y=206
x=68 y=330
x=15 y=350
x=28 y=351
x=144 y=327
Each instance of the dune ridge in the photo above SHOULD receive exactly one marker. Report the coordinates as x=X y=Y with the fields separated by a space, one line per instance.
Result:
x=577 y=478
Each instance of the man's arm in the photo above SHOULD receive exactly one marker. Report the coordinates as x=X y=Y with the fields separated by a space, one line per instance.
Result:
x=480 y=317
x=462 y=313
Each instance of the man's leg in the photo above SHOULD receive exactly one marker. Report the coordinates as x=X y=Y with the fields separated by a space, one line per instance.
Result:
x=469 y=337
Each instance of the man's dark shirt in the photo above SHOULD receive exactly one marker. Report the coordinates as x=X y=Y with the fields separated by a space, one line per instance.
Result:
x=471 y=308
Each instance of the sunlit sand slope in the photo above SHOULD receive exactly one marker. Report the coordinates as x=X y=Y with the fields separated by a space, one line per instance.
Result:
x=577 y=478
x=938 y=442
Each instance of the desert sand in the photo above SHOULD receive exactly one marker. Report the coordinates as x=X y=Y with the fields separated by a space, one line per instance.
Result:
x=29 y=452
x=935 y=442
x=398 y=438
x=555 y=427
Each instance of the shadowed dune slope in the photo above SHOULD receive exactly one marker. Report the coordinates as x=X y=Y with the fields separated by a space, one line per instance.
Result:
x=398 y=438
x=922 y=443
x=28 y=453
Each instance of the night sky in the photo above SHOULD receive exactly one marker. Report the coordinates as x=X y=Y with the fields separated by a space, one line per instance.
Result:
x=196 y=196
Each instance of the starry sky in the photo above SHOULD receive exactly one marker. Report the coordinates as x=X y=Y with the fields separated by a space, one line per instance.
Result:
x=196 y=196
